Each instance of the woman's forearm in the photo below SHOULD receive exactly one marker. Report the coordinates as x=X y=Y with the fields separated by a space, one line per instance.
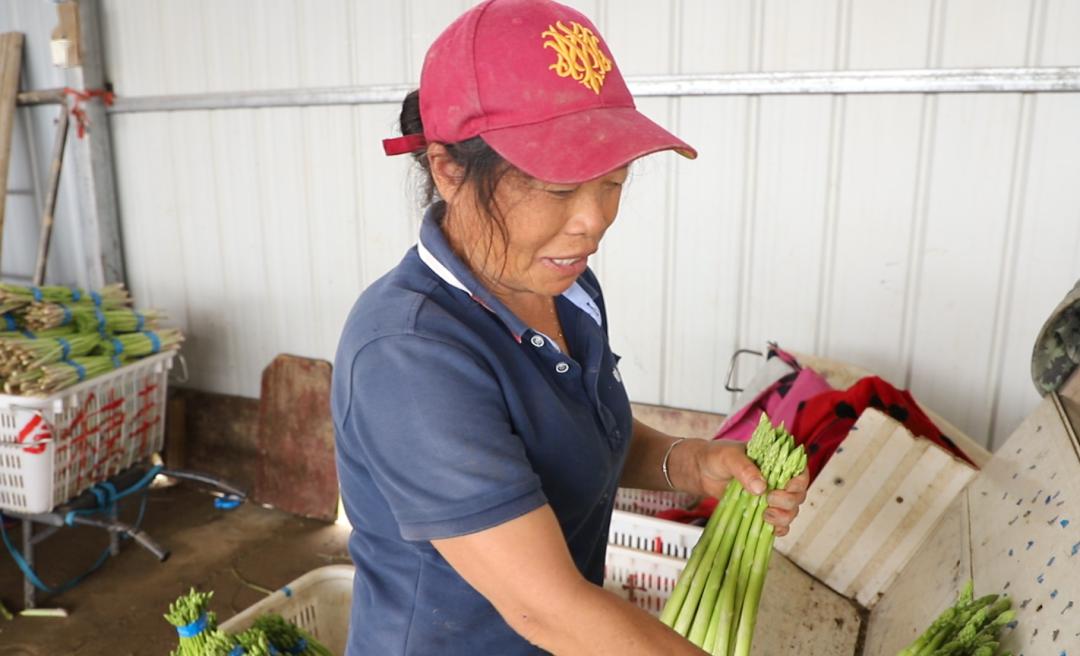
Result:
x=596 y=622
x=644 y=462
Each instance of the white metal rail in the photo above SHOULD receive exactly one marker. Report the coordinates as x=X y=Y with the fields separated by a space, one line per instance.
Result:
x=970 y=80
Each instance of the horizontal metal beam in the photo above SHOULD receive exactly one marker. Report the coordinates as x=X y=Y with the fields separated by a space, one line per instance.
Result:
x=42 y=97
x=973 y=80
x=365 y=95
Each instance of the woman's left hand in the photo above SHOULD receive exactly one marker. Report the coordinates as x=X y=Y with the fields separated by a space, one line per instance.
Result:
x=713 y=464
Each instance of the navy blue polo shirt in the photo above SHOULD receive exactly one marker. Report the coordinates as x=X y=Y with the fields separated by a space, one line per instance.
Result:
x=453 y=416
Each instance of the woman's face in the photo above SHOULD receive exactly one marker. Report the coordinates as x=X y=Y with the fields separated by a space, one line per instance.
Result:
x=551 y=230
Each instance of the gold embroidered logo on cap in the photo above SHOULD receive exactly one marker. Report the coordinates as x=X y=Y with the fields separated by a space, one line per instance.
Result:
x=579 y=54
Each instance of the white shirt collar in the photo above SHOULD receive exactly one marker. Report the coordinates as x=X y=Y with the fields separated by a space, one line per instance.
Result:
x=576 y=294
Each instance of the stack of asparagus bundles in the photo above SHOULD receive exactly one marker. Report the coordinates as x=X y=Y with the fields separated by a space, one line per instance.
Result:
x=715 y=602
x=199 y=634
x=970 y=627
x=18 y=297
x=55 y=337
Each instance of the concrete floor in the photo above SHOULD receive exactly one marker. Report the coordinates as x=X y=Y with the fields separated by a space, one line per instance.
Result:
x=118 y=610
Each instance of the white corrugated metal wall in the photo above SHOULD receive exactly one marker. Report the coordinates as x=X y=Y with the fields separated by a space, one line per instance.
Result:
x=924 y=237
x=30 y=152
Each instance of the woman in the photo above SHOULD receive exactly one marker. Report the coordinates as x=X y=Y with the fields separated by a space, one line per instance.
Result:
x=481 y=421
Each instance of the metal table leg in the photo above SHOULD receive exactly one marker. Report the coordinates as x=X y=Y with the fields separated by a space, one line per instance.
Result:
x=114 y=537
x=28 y=555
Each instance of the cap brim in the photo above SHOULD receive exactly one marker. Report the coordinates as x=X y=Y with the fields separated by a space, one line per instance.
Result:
x=583 y=146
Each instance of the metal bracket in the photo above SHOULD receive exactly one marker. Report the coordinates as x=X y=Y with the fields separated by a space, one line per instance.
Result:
x=731 y=368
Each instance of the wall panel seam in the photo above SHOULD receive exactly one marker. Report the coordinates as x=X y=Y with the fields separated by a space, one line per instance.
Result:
x=1010 y=251
x=834 y=177
x=921 y=203
x=671 y=202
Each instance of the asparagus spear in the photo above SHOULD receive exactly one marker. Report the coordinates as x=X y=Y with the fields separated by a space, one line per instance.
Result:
x=678 y=595
x=794 y=465
x=680 y=611
x=724 y=624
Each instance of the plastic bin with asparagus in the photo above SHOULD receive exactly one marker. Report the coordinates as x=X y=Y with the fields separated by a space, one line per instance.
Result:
x=199 y=635
x=715 y=601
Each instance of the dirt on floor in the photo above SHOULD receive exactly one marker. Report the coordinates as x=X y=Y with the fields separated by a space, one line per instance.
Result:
x=118 y=610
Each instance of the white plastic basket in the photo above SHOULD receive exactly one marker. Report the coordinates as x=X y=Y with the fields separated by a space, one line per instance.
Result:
x=650 y=502
x=52 y=448
x=319 y=602
x=652 y=535
x=644 y=579
x=645 y=556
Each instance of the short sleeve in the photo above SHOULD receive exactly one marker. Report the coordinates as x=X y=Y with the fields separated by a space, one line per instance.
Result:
x=429 y=422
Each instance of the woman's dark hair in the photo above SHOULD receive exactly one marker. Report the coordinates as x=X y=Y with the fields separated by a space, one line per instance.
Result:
x=481 y=166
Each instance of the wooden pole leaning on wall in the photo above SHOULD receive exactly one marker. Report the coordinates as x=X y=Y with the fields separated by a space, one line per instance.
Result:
x=10 y=65
x=49 y=211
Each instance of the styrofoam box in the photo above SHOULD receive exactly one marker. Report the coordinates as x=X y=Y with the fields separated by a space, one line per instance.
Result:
x=52 y=448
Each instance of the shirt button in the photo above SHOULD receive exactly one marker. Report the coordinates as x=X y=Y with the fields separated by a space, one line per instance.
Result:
x=562 y=368
x=537 y=341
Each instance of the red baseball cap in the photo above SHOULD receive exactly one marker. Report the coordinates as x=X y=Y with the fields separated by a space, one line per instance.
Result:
x=537 y=82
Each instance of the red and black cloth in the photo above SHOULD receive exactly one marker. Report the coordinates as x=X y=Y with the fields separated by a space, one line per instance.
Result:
x=824 y=420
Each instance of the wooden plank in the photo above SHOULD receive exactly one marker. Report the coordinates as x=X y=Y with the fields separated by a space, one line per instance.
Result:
x=799 y=615
x=296 y=470
x=10 y=68
x=676 y=421
x=1025 y=533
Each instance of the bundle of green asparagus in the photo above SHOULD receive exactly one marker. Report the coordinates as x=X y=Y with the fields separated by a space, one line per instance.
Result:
x=970 y=627
x=270 y=634
x=715 y=601
x=142 y=344
x=62 y=331
x=51 y=378
x=253 y=642
x=13 y=297
x=288 y=638
x=44 y=366
x=117 y=321
x=196 y=626
x=21 y=354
